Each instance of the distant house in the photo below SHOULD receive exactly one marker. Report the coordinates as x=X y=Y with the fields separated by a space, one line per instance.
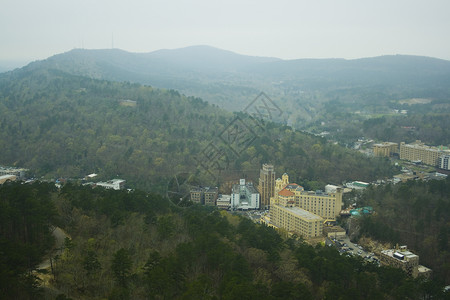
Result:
x=5 y=178
x=115 y=184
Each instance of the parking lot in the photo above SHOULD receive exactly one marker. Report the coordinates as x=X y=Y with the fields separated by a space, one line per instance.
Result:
x=344 y=245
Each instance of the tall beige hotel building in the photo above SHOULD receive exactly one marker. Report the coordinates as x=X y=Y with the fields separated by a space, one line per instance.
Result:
x=266 y=186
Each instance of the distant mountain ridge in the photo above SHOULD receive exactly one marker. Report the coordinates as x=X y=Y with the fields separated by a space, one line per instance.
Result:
x=183 y=63
x=300 y=87
x=194 y=58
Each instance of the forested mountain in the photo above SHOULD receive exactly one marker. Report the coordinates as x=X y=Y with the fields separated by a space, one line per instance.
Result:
x=139 y=245
x=302 y=88
x=63 y=125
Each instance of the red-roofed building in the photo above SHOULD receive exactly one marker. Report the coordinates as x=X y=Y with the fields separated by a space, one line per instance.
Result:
x=286 y=198
x=326 y=205
x=286 y=193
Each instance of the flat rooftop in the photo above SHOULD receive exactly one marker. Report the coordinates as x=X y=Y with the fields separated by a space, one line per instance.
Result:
x=422 y=147
x=302 y=213
x=391 y=252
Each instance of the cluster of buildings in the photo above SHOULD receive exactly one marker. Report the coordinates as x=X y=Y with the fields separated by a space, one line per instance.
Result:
x=290 y=206
x=303 y=212
x=204 y=195
x=11 y=174
x=244 y=196
x=415 y=152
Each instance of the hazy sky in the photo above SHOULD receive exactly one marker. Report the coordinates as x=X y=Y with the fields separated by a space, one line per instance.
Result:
x=37 y=29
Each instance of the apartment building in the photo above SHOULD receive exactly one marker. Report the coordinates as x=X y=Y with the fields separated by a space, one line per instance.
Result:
x=296 y=220
x=204 y=195
x=418 y=151
x=385 y=149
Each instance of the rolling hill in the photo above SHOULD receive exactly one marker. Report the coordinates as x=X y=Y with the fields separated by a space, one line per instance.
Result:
x=301 y=88
x=64 y=125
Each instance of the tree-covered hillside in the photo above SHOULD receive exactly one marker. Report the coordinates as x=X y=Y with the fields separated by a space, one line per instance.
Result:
x=138 y=246
x=415 y=213
x=303 y=88
x=61 y=125
x=27 y=214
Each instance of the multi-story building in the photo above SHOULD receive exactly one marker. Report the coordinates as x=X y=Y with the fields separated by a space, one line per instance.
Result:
x=400 y=259
x=223 y=202
x=420 y=152
x=244 y=196
x=266 y=184
x=404 y=259
x=444 y=162
x=385 y=149
x=300 y=211
x=296 y=220
x=197 y=195
x=326 y=205
x=210 y=195
x=204 y=195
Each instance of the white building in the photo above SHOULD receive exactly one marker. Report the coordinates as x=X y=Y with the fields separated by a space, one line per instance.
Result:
x=224 y=202
x=329 y=188
x=116 y=184
x=244 y=196
x=444 y=162
x=357 y=185
x=18 y=172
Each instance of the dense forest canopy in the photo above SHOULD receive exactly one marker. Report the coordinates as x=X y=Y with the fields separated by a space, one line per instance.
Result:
x=27 y=215
x=137 y=245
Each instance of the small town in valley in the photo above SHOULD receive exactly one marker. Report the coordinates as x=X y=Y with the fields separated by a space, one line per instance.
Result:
x=312 y=216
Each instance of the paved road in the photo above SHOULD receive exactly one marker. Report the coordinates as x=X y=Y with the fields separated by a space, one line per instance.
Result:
x=355 y=249
x=59 y=235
